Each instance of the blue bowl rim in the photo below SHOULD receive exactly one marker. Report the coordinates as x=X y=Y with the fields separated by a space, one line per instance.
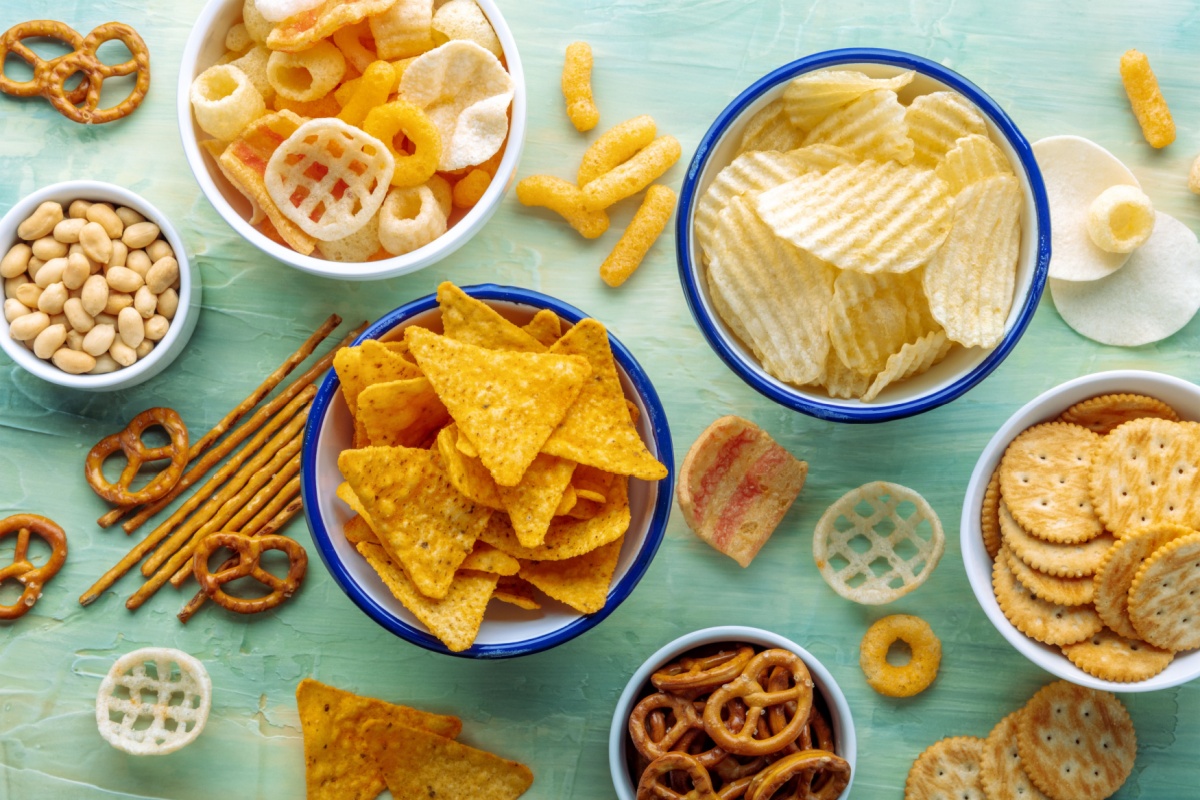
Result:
x=617 y=594
x=689 y=273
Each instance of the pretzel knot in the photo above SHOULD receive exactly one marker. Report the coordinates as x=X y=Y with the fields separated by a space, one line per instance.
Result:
x=13 y=41
x=249 y=550
x=795 y=694
x=651 y=788
x=129 y=441
x=21 y=568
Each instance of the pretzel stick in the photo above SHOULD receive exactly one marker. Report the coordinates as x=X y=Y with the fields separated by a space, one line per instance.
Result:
x=285 y=496
x=274 y=524
x=198 y=448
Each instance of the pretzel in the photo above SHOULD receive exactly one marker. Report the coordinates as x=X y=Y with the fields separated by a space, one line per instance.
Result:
x=805 y=766
x=748 y=687
x=649 y=787
x=695 y=676
x=684 y=720
x=95 y=72
x=22 y=569
x=13 y=41
x=250 y=552
x=130 y=442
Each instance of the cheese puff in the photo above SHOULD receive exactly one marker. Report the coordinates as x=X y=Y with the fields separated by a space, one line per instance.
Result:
x=563 y=198
x=469 y=190
x=1144 y=95
x=615 y=146
x=632 y=176
x=577 y=87
x=645 y=227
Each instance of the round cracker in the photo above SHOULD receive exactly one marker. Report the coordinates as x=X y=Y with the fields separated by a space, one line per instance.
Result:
x=1044 y=479
x=1112 y=657
x=947 y=770
x=1064 y=560
x=1107 y=412
x=1047 y=622
x=1076 y=742
x=1164 y=599
x=1120 y=567
x=1001 y=773
x=989 y=517
x=1051 y=588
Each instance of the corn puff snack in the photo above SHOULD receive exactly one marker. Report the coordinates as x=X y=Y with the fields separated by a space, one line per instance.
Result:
x=577 y=87
x=644 y=229
x=1147 y=100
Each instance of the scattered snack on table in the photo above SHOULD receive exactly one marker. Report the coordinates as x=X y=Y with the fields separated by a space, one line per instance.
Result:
x=908 y=679
x=247 y=563
x=181 y=692
x=81 y=104
x=643 y=230
x=89 y=292
x=898 y=515
x=577 y=87
x=22 y=569
x=1146 y=99
x=735 y=485
x=1194 y=176
x=947 y=768
x=129 y=441
x=1120 y=219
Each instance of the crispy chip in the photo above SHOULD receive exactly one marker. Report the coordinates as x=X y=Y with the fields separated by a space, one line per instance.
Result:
x=580 y=582
x=567 y=537
x=410 y=218
x=404 y=412
x=254 y=64
x=770 y=129
x=472 y=321
x=972 y=158
x=485 y=558
x=215 y=147
x=911 y=359
x=463 y=19
x=416 y=763
x=872 y=126
x=545 y=327
x=404 y=30
x=842 y=381
x=368 y=363
x=534 y=501
x=225 y=101
x=516 y=591
x=358 y=530
x=813 y=96
x=308 y=27
x=873 y=316
x=936 y=121
x=469 y=476
x=591 y=483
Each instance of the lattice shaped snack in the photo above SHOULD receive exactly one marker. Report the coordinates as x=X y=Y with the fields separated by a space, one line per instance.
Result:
x=877 y=543
x=153 y=701
x=329 y=178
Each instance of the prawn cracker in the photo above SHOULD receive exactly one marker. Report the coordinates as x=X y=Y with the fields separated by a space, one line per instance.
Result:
x=1000 y=772
x=581 y=582
x=1044 y=481
x=1064 y=560
x=1107 y=412
x=947 y=769
x=1051 y=588
x=1164 y=600
x=1120 y=567
x=1112 y=657
x=1047 y=622
x=1147 y=470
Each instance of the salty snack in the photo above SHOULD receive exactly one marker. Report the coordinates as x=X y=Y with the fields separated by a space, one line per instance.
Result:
x=615 y=146
x=1107 y=412
x=1120 y=219
x=565 y=199
x=911 y=678
x=225 y=101
x=21 y=569
x=181 y=692
x=1044 y=481
x=647 y=224
x=947 y=768
x=1194 y=176
x=1164 y=605
x=249 y=550
x=577 y=87
x=1146 y=99
x=129 y=441
x=842 y=524
x=735 y=485
x=1000 y=771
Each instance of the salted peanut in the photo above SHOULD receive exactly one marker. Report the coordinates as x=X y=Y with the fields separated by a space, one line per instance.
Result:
x=138 y=261
x=143 y=349
x=78 y=209
x=50 y=272
x=35 y=264
x=95 y=295
x=26 y=328
x=78 y=268
x=157 y=327
x=14 y=308
x=99 y=339
x=50 y=339
x=41 y=222
x=145 y=301
x=29 y=293
x=96 y=243
x=12 y=284
x=104 y=214
x=73 y=362
x=131 y=326
x=123 y=279
x=68 y=230
x=119 y=254
x=168 y=303
x=139 y=235
x=159 y=249
x=74 y=339
x=79 y=319
x=129 y=216
x=53 y=298
x=16 y=260
x=104 y=365
x=117 y=301
x=48 y=247
x=122 y=353
x=163 y=274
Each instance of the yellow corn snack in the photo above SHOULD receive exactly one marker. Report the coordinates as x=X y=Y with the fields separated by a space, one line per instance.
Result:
x=626 y=180
x=373 y=89
x=469 y=190
x=1144 y=95
x=615 y=146
x=645 y=227
x=577 y=87
x=384 y=122
x=564 y=198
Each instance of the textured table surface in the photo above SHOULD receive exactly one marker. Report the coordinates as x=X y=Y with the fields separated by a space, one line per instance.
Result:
x=1053 y=67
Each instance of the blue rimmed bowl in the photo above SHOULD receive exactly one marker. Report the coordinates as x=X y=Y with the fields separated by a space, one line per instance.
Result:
x=507 y=630
x=964 y=367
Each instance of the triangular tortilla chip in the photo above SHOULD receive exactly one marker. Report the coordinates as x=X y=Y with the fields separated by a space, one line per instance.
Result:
x=568 y=501
x=507 y=404
x=465 y=319
x=456 y=617
x=517 y=592
x=359 y=530
x=420 y=518
x=591 y=483
x=532 y=503
x=485 y=558
x=359 y=367
x=580 y=582
x=468 y=474
x=567 y=537
x=403 y=413
x=597 y=429
x=545 y=326
x=584 y=509
x=333 y=720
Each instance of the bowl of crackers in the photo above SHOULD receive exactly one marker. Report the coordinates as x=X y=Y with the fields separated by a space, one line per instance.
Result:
x=863 y=235
x=356 y=140
x=681 y=720
x=1081 y=533
x=488 y=472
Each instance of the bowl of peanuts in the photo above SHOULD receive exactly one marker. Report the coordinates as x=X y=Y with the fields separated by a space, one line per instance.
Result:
x=98 y=290
x=356 y=149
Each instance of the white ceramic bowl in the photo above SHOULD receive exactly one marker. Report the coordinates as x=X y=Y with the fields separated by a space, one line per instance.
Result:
x=619 y=745
x=1184 y=397
x=206 y=44
x=964 y=367
x=507 y=630
x=189 y=289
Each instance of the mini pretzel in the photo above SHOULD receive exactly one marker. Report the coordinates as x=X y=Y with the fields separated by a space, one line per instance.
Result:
x=748 y=687
x=803 y=765
x=642 y=726
x=130 y=442
x=695 y=676
x=249 y=550
x=13 y=41
x=95 y=72
x=649 y=787
x=21 y=569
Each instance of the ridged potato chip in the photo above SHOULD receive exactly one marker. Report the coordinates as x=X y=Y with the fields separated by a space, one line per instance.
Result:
x=972 y=158
x=841 y=381
x=912 y=359
x=873 y=316
x=873 y=126
x=936 y=121
x=463 y=19
x=771 y=129
x=812 y=97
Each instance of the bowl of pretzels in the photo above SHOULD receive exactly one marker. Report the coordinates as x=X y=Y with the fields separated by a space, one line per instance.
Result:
x=732 y=711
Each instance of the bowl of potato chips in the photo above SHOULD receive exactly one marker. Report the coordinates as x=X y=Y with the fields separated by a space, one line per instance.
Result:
x=488 y=472
x=1081 y=533
x=355 y=140
x=864 y=235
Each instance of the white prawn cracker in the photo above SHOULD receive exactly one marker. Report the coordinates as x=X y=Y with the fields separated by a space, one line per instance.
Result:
x=153 y=701
x=411 y=217
x=225 y=101
x=936 y=121
x=465 y=20
x=810 y=98
x=972 y=159
x=883 y=516
x=329 y=178
x=873 y=126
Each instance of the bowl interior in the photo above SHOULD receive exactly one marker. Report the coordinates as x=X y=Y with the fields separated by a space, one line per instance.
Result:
x=506 y=630
x=964 y=367
x=1184 y=397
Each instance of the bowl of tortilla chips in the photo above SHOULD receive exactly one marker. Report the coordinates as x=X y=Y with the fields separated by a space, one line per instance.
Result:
x=487 y=472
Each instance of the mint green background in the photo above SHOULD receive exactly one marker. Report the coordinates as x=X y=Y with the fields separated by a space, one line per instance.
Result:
x=1052 y=66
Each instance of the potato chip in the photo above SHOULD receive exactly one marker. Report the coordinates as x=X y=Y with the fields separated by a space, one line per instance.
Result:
x=401 y=413
x=630 y=177
x=771 y=129
x=873 y=126
x=614 y=147
x=419 y=764
x=516 y=591
x=936 y=121
x=471 y=321
x=972 y=158
x=466 y=92
x=309 y=27
x=813 y=96
x=597 y=429
x=1120 y=219
x=873 y=316
x=506 y=403
x=842 y=381
x=545 y=327
x=468 y=475
x=565 y=199
x=225 y=102
x=409 y=219
x=871 y=217
x=534 y=501
x=307 y=74
x=970 y=279
x=464 y=20
x=404 y=30
x=567 y=537
x=421 y=520
x=581 y=582
x=913 y=358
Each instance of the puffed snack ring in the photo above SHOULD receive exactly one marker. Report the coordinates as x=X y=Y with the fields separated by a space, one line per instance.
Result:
x=410 y=218
x=249 y=550
x=650 y=786
x=122 y=709
x=96 y=72
x=908 y=679
x=137 y=453
x=386 y=121
x=751 y=688
x=225 y=101
x=13 y=41
x=307 y=75
x=21 y=569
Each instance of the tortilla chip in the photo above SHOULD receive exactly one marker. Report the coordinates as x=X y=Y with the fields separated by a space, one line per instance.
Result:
x=465 y=446
x=421 y=520
x=533 y=502
x=485 y=558
x=333 y=720
x=567 y=537
x=468 y=474
x=591 y=483
x=580 y=582
x=359 y=367
x=584 y=509
x=471 y=321
x=516 y=591
x=545 y=326
x=597 y=430
x=506 y=403
x=400 y=413
x=568 y=500
x=359 y=530
x=456 y=617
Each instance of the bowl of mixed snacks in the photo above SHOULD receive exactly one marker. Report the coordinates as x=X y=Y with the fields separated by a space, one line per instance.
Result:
x=487 y=444
x=682 y=720
x=863 y=235
x=98 y=290
x=1081 y=534
x=353 y=140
